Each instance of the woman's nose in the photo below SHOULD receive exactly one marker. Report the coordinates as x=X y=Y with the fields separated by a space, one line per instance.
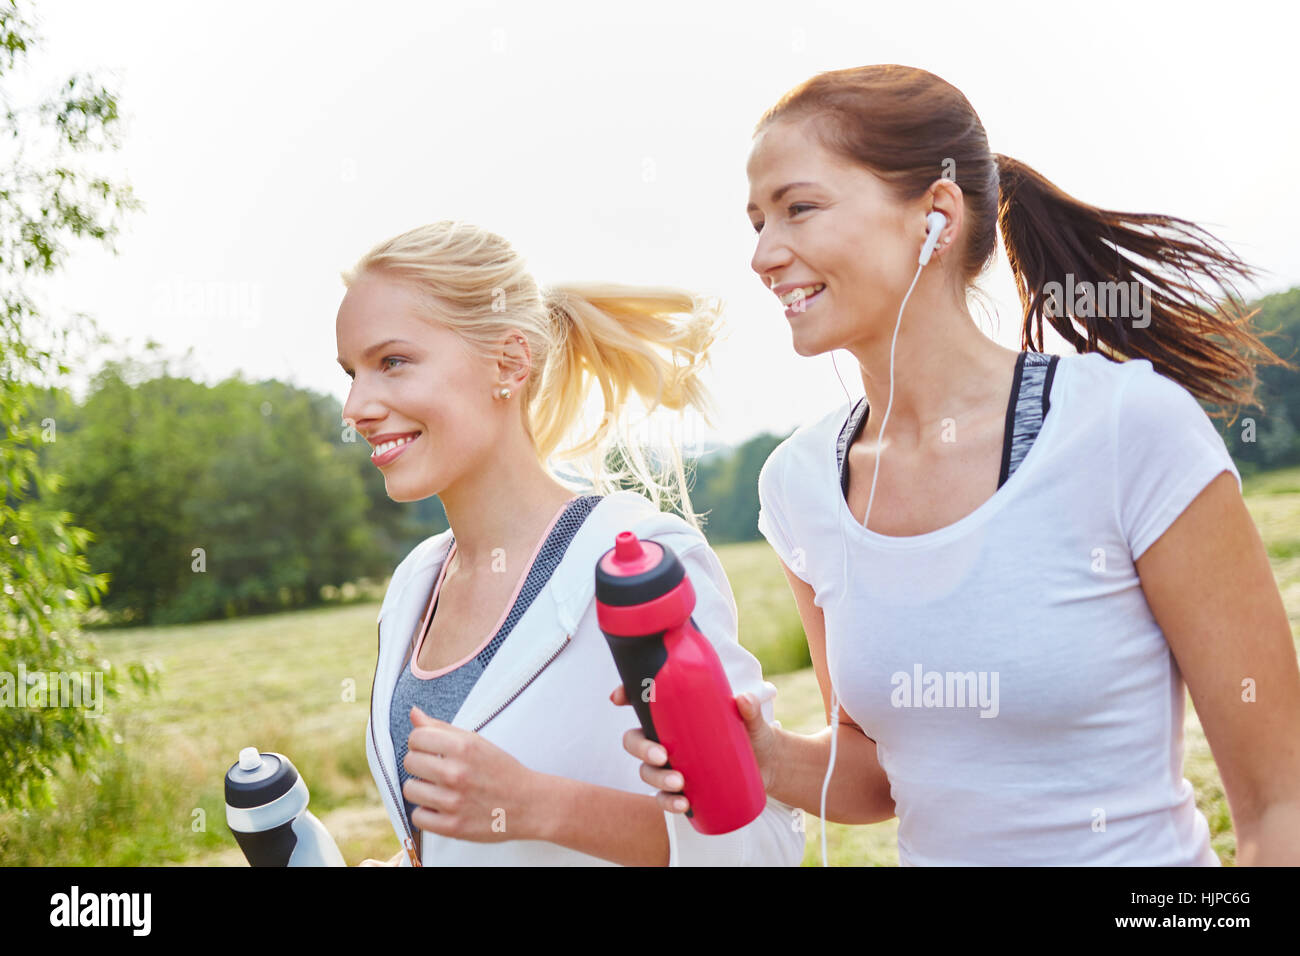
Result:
x=353 y=407
x=769 y=256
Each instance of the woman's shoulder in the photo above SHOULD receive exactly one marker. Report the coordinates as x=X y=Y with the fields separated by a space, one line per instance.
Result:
x=1136 y=414
x=1087 y=388
x=1139 y=393
x=1091 y=371
x=573 y=584
x=808 y=447
x=686 y=542
x=1156 y=415
x=635 y=512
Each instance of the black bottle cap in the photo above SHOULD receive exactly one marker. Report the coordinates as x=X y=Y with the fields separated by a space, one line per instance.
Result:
x=256 y=779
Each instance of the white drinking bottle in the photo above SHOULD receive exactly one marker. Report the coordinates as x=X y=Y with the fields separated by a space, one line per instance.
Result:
x=266 y=809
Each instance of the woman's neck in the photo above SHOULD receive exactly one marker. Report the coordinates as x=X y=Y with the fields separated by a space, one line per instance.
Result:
x=500 y=515
x=944 y=369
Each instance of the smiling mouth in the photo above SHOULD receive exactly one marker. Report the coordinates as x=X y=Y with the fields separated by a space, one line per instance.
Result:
x=389 y=450
x=801 y=304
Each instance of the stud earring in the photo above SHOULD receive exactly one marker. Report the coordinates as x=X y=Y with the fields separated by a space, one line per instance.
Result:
x=504 y=393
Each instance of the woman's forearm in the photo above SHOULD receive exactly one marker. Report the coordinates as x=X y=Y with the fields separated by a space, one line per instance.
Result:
x=615 y=825
x=859 y=791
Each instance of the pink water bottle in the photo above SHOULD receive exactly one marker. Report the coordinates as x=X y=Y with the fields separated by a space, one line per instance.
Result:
x=676 y=683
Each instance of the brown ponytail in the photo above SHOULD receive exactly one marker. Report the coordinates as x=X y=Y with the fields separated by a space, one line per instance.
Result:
x=911 y=128
x=1201 y=341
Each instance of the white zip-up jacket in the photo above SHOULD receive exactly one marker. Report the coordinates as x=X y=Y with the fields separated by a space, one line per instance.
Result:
x=544 y=697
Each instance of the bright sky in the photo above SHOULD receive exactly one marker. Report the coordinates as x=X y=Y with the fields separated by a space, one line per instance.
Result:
x=274 y=143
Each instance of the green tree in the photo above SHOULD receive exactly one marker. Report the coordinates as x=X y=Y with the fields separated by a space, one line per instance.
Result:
x=1264 y=436
x=46 y=584
x=213 y=501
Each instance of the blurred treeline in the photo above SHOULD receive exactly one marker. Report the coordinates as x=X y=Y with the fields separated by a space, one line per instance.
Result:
x=288 y=512
x=215 y=501
x=1272 y=441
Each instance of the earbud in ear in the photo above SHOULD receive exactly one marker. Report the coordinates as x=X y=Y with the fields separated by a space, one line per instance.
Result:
x=934 y=224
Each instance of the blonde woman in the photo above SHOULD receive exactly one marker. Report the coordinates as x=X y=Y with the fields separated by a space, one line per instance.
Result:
x=491 y=736
x=1011 y=567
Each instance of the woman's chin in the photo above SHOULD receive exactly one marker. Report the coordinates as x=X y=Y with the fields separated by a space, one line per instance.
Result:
x=410 y=497
x=805 y=345
x=405 y=492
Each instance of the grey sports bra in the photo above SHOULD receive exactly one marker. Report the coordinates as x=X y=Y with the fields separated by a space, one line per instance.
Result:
x=1026 y=408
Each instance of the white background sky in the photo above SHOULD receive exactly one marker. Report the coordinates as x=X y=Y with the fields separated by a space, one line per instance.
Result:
x=273 y=143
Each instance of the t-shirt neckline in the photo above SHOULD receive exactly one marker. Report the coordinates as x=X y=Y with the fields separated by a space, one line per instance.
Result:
x=975 y=518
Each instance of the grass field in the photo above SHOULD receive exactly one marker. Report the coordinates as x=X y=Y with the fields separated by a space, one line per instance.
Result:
x=299 y=683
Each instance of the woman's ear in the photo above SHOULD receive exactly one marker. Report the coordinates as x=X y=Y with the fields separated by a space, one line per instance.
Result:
x=514 y=360
x=945 y=196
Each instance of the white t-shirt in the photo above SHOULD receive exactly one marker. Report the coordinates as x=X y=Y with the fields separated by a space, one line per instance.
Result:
x=1023 y=699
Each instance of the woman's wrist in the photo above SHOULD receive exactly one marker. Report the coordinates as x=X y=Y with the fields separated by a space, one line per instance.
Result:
x=612 y=824
x=539 y=807
x=778 y=765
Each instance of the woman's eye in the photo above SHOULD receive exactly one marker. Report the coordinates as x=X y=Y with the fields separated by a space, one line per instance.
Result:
x=393 y=358
x=795 y=209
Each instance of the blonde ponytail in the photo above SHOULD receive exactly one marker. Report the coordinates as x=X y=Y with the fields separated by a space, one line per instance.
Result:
x=615 y=335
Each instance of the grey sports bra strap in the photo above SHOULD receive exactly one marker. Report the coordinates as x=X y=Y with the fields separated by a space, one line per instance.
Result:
x=851 y=429
x=1033 y=385
x=1030 y=388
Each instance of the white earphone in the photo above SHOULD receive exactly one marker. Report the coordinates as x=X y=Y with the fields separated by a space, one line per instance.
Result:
x=934 y=224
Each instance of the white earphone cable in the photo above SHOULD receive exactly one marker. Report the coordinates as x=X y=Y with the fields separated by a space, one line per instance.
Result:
x=835 y=710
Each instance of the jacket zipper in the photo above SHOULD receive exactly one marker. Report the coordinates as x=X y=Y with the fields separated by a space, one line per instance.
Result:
x=409 y=844
x=410 y=841
x=524 y=686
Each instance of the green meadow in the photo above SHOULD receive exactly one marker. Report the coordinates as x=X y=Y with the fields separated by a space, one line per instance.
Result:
x=299 y=683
